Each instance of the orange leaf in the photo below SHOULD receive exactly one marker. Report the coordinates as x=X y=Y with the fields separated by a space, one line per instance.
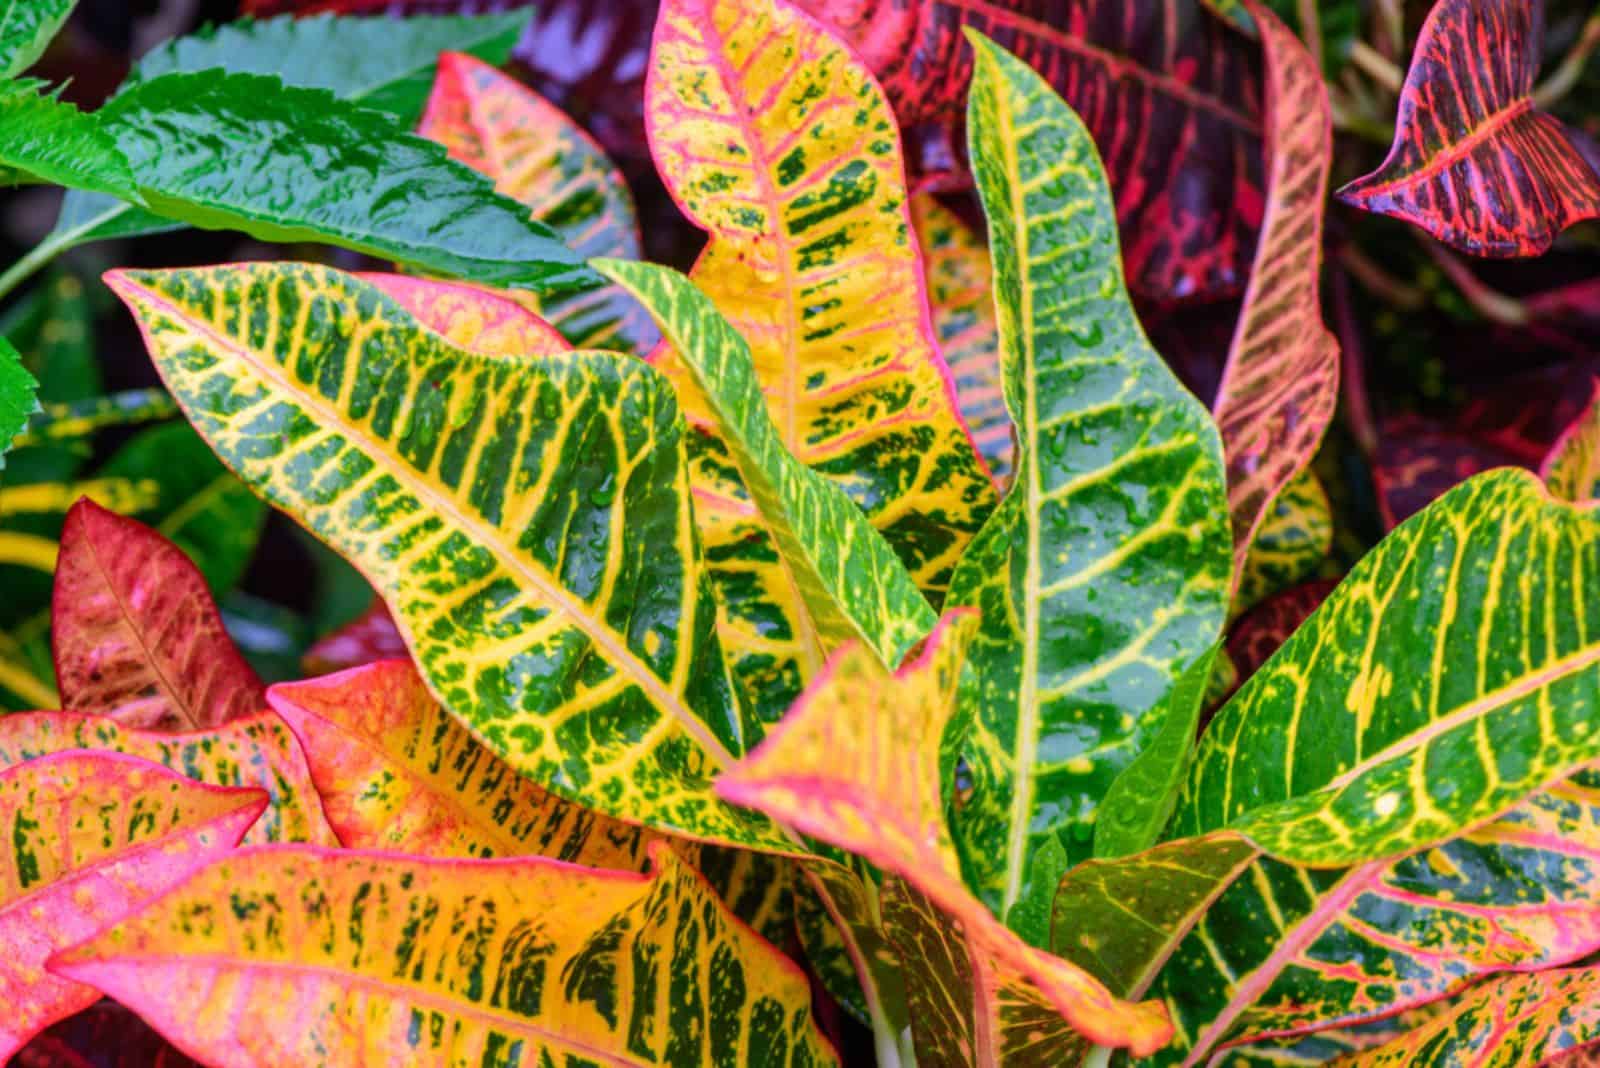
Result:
x=135 y=632
x=91 y=836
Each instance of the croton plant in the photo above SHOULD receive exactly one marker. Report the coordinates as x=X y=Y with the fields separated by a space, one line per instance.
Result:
x=865 y=647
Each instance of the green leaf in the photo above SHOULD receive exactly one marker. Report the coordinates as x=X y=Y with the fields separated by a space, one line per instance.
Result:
x=17 y=400
x=49 y=140
x=1452 y=673
x=241 y=151
x=852 y=583
x=26 y=28
x=1103 y=576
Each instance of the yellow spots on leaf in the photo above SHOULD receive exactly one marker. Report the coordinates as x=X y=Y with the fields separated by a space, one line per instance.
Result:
x=1372 y=683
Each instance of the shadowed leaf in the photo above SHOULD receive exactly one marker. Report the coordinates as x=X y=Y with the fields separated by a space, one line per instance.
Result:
x=1572 y=466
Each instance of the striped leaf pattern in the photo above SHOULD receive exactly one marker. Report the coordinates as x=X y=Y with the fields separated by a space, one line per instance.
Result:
x=856 y=764
x=1452 y=673
x=960 y=291
x=1104 y=574
x=74 y=420
x=88 y=837
x=472 y=318
x=1281 y=381
x=775 y=139
x=295 y=955
x=848 y=578
x=540 y=158
x=1572 y=467
x=256 y=751
x=1170 y=94
x=1474 y=163
x=527 y=519
x=134 y=631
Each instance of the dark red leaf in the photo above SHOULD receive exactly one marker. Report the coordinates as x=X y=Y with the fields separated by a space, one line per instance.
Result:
x=1171 y=93
x=1268 y=625
x=105 y=1035
x=1419 y=458
x=1474 y=163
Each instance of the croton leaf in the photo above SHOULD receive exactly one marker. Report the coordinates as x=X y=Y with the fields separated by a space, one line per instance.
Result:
x=46 y=139
x=135 y=632
x=545 y=161
x=26 y=27
x=1449 y=675
x=775 y=139
x=1291 y=544
x=1281 y=382
x=472 y=318
x=315 y=955
x=960 y=290
x=1572 y=467
x=1264 y=629
x=1546 y=1018
x=1419 y=459
x=1474 y=163
x=209 y=149
x=856 y=763
x=75 y=420
x=1105 y=572
x=252 y=751
x=526 y=519
x=847 y=576
x=90 y=836
x=371 y=636
x=18 y=399
x=381 y=63
x=1171 y=94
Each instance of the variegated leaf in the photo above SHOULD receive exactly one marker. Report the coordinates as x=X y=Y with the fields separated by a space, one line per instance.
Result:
x=1454 y=671
x=960 y=291
x=856 y=764
x=76 y=420
x=1572 y=467
x=295 y=955
x=1105 y=573
x=135 y=633
x=253 y=751
x=1293 y=540
x=371 y=636
x=542 y=159
x=89 y=836
x=527 y=519
x=774 y=138
x=1281 y=381
x=471 y=317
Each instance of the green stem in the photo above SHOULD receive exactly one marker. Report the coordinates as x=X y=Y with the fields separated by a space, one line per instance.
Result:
x=1099 y=1057
x=43 y=253
x=1372 y=63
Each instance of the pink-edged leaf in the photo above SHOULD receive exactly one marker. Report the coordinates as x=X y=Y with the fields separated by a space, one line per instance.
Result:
x=135 y=632
x=105 y=1035
x=1572 y=467
x=1419 y=459
x=473 y=318
x=252 y=751
x=371 y=636
x=88 y=838
x=1171 y=94
x=1268 y=625
x=856 y=764
x=1281 y=382
x=1474 y=163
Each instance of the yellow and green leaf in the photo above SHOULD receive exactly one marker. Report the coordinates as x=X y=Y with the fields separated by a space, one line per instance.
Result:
x=1572 y=467
x=472 y=317
x=527 y=520
x=1455 y=671
x=295 y=955
x=856 y=764
x=1291 y=543
x=253 y=751
x=540 y=158
x=90 y=836
x=1104 y=575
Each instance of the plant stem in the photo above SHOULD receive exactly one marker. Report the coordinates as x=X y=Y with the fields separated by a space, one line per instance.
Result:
x=1379 y=282
x=41 y=254
x=1311 y=28
x=1392 y=19
x=1098 y=1057
x=1565 y=76
x=1491 y=304
x=1375 y=66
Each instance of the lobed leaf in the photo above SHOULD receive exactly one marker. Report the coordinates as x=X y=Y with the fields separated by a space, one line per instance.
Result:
x=856 y=764
x=526 y=519
x=1474 y=162
x=135 y=633
x=1281 y=381
x=26 y=28
x=252 y=751
x=287 y=955
x=540 y=158
x=1104 y=574
x=91 y=836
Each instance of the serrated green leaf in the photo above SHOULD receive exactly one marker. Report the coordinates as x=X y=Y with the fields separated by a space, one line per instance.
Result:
x=26 y=28
x=49 y=140
x=852 y=583
x=1104 y=574
x=17 y=397
x=1454 y=671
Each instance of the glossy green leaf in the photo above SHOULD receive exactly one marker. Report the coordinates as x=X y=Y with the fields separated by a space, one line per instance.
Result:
x=49 y=140
x=852 y=583
x=231 y=151
x=1104 y=574
x=1454 y=671
x=26 y=27
x=17 y=397
x=526 y=519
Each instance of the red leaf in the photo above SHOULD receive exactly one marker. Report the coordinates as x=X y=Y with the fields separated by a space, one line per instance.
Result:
x=1419 y=459
x=372 y=636
x=1171 y=94
x=135 y=632
x=1268 y=625
x=1474 y=163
